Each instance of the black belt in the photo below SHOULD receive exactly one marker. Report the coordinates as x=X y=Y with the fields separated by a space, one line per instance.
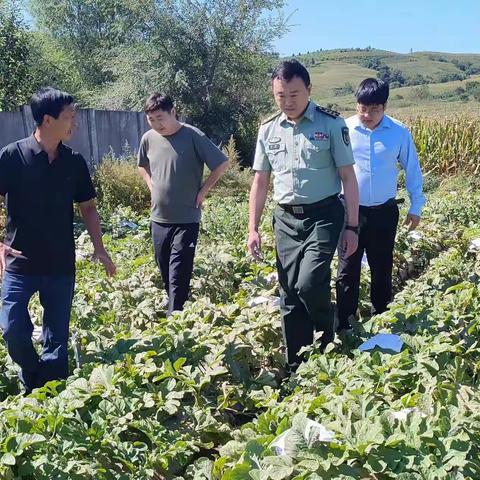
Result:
x=389 y=203
x=308 y=207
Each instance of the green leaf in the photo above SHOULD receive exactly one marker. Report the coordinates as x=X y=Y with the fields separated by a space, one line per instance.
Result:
x=8 y=459
x=179 y=364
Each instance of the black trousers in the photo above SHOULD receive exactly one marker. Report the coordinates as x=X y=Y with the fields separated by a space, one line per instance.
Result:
x=377 y=230
x=305 y=245
x=174 y=247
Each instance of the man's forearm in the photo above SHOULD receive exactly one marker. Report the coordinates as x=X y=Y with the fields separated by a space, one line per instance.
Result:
x=92 y=222
x=146 y=175
x=258 y=198
x=214 y=177
x=350 y=191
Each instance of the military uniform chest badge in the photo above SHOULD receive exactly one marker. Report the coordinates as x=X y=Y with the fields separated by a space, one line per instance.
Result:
x=319 y=136
x=274 y=143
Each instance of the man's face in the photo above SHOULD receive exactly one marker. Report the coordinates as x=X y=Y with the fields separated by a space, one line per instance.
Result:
x=63 y=126
x=291 y=97
x=370 y=115
x=163 y=122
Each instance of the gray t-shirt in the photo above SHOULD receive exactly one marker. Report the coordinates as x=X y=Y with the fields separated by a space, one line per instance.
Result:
x=176 y=163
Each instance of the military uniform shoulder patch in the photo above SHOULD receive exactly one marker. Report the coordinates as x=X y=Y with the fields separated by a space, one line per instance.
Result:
x=271 y=117
x=328 y=111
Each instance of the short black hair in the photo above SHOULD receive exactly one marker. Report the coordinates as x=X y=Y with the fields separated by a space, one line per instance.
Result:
x=49 y=101
x=158 y=101
x=289 y=69
x=372 y=91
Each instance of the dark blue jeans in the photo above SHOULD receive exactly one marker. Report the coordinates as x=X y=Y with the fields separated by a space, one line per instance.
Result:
x=56 y=293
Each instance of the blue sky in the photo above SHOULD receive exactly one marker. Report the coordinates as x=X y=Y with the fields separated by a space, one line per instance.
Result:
x=433 y=25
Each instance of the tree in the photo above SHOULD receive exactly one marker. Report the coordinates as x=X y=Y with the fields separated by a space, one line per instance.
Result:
x=86 y=33
x=384 y=73
x=15 y=86
x=397 y=77
x=214 y=57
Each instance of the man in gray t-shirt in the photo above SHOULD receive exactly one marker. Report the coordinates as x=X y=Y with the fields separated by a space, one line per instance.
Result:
x=171 y=159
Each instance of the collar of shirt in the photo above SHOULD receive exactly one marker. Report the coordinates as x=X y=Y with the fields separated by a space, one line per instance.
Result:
x=33 y=145
x=309 y=114
x=386 y=122
x=35 y=148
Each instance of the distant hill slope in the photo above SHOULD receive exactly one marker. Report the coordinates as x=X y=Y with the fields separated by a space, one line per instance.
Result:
x=429 y=81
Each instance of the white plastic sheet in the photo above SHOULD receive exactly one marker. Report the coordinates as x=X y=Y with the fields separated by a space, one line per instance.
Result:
x=385 y=341
x=474 y=245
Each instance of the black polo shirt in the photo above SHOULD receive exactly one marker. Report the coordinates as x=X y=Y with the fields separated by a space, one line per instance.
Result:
x=39 y=200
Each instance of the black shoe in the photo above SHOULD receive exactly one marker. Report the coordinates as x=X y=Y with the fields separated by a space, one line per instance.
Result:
x=291 y=368
x=344 y=326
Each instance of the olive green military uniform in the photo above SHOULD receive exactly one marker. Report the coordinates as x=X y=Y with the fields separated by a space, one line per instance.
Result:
x=304 y=160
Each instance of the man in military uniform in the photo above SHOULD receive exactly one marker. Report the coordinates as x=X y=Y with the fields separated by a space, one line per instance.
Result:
x=307 y=148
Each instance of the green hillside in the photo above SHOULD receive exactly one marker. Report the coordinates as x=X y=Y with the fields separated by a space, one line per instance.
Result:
x=423 y=81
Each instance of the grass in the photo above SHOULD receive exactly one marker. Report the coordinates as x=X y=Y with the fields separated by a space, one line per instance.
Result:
x=435 y=88
x=404 y=100
x=428 y=64
x=435 y=109
x=333 y=69
x=328 y=75
x=413 y=64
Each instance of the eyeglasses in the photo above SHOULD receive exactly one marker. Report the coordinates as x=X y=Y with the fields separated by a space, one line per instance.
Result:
x=370 y=110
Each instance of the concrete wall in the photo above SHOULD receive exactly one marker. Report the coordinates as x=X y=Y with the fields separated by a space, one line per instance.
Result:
x=99 y=132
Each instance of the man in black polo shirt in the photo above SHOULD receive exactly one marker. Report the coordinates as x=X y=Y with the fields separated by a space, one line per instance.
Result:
x=40 y=179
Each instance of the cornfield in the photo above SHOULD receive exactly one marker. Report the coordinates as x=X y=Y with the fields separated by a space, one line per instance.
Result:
x=447 y=146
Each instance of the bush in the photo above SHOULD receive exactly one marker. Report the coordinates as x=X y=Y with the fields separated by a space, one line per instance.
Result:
x=345 y=90
x=416 y=79
x=422 y=92
x=237 y=179
x=450 y=77
x=472 y=70
x=473 y=88
x=333 y=106
x=118 y=183
x=245 y=141
x=470 y=87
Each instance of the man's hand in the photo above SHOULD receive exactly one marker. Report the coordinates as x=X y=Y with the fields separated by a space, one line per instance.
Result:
x=103 y=257
x=254 y=244
x=201 y=195
x=210 y=182
x=4 y=252
x=349 y=242
x=412 y=220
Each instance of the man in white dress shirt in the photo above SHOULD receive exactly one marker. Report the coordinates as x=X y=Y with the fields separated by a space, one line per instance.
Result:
x=381 y=145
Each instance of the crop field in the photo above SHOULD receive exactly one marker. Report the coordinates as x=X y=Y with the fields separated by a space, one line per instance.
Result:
x=203 y=395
